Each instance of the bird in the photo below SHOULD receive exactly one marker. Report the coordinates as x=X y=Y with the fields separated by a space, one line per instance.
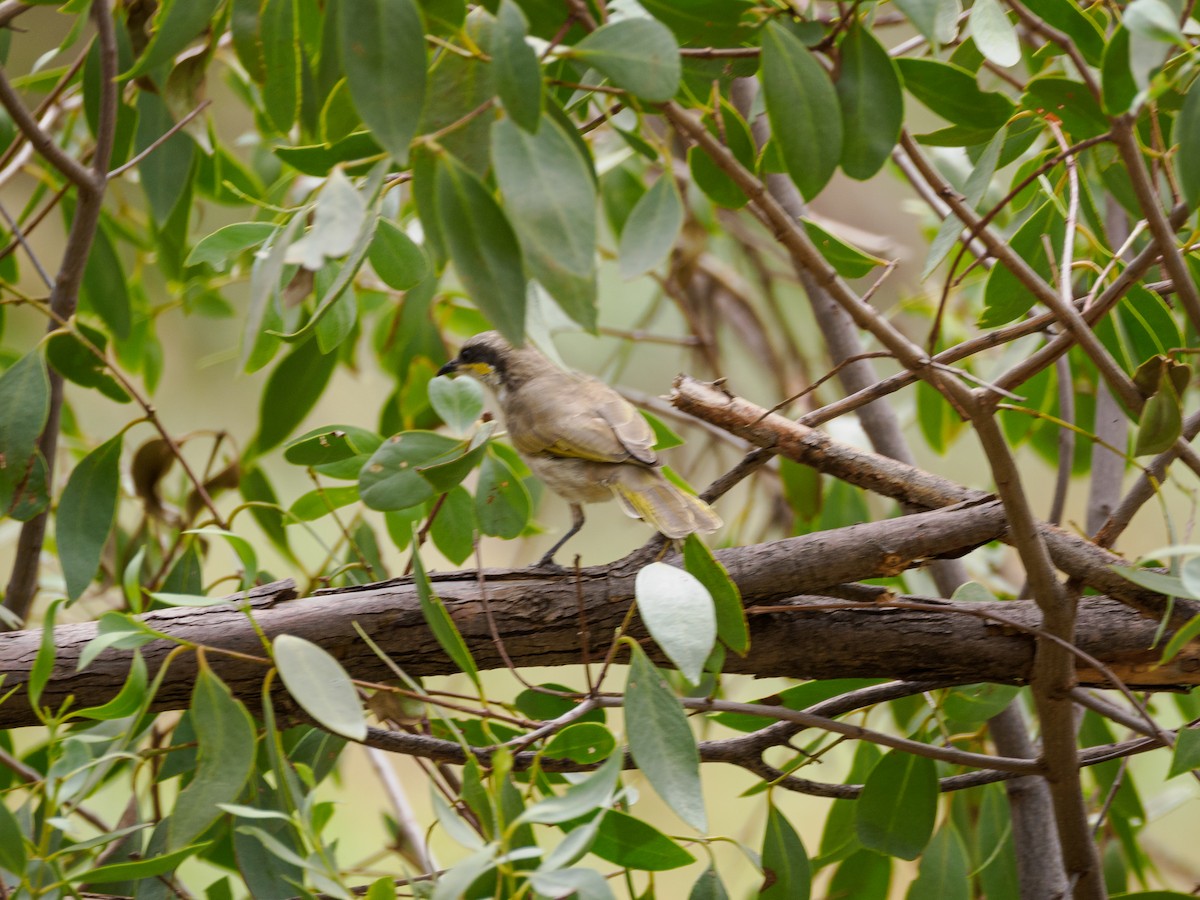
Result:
x=579 y=436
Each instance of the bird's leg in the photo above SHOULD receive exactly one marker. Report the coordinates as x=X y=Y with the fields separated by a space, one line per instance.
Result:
x=547 y=561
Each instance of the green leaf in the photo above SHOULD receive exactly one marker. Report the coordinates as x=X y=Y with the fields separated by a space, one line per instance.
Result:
x=633 y=844
x=848 y=261
x=86 y=512
x=105 y=289
x=502 y=503
x=594 y=792
x=24 y=405
x=1068 y=17
x=291 y=392
x=678 y=612
x=1187 y=134
x=396 y=259
x=802 y=104
x=329 y=444
x=77 y=362
x=1117 y=82
x=317 y=681
x=281 y=63
x=872 y=103
x=863 y=875
x=440 y=623
x=994 y=34
x=708 y=886
x=726 y=598
x=483 y=246
x=898 y=805
x=1070 y=101
x=944 y=872
x=128 y=700
x=218 y=249
x=1186 y=755
x=787 y=874
x=1180 y=639
x=43 y=662
x=12 y=842
x=582 y=742
x=718 y=186
x=638 y=55
x=453 y=530
x=518 y=74
x=391 y=480
x=457 y=401
x=1004 y=297
x=1161 y=422
x=356 y=150
x=1171 y=585
x=243 y=25
x=177 y=24
x=952 y=93
x=142 y=868
x=651 y=229
x=972 y=705
x=321 y=502
x=224 y=760
x=661 y=740
x=550 y=192
x=383 y=51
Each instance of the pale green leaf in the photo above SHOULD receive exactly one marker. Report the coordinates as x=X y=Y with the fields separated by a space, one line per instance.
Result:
x=518 y=73
x=994 y=34
x=661 y=740
x=550 y=193
x=317 y=681
x=651 y=229
x=383 y=51
x=677 y=610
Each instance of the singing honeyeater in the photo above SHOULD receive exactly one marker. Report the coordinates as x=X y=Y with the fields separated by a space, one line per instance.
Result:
x=582 y=438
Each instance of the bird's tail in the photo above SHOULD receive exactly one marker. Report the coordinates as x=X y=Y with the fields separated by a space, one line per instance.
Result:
x=647 y=494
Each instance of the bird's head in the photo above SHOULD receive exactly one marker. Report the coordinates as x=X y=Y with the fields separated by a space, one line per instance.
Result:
x=484 y=356
x=491 y=359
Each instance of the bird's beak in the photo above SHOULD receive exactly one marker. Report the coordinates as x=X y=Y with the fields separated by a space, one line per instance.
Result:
x=449 y=368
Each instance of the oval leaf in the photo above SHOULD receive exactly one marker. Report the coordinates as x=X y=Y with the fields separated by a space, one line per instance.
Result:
x=320 y=685
x=803 y=107
x=24 y=405
x=786 y=869
x=86 y=513
x=678 y=612
x=383 y=51
x=502 y=502
x=483 y=246
x=651 y=228
x=549 y=191
x=661 y=740
x=518 y=74
x=994 y=34
x=638 y=55
x=898 y=805
x=390 y=479
x=458 y=401
x=218 y=248
x=224 y=759
x=633 y=844
x=396 y=258
x=1187 y=135
x=872 y=102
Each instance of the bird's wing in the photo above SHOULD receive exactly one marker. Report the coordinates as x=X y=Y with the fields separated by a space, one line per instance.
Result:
x=577 y=418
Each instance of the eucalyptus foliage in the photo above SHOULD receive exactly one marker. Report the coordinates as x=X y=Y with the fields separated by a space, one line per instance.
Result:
x=360 y=185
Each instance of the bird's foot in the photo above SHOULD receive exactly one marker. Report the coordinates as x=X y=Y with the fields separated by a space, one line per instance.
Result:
x=547 y=564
